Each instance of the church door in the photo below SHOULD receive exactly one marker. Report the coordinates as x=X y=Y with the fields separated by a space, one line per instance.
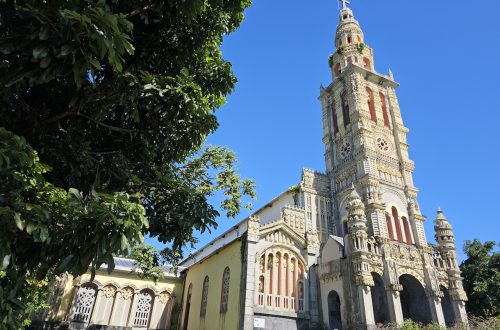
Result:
x=334 y=311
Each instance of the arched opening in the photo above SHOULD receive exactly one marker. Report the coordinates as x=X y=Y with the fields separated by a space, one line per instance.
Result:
x=395 y=216
x=224 y=295
x=379 y=301
x=406 y=228
x=384 y=110
x=84 y=303
x=188 y=306
x=367 y=63
x=337 y=71
x=348 y=60
x=345 y=109
x=389 y=226
x=334 y=311
x=349 y=39
x=371 y=104
x=449 y=316
x=143 y=308
x=414 y=301
x=334 y=116
x=204 y=297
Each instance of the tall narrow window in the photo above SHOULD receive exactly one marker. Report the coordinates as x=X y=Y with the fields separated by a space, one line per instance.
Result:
x=384 y=110
x=396 y=223
x=224 y=296
x=84 y=303
x=367 y=64
x=349 y=39
x=143 y=309
x=270 y=267
x=371 y=104
x=188 y=306
x=287 y=277
x=389 y=226
x=345 y=109
x=348 y=60
x=278 y=263
x=406 y=227
x=334 y=116
x=337 y=71
x=204 y=298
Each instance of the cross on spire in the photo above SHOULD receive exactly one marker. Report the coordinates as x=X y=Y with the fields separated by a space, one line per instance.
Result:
x=345 y=3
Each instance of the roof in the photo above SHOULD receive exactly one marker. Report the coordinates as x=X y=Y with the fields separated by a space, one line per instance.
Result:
x=128 y=265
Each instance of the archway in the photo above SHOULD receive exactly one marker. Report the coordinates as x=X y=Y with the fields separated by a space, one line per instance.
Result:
x=449 y=316
x=379 y=300
x=414 y=301
x=334 y=311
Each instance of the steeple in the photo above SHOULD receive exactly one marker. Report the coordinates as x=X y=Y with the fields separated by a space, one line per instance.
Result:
x=349 y=44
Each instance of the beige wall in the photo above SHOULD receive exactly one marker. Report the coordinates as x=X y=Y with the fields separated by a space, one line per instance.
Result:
x=213 y=267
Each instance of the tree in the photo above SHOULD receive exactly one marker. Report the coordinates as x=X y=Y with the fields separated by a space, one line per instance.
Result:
x=481 y=272
x=104 y=110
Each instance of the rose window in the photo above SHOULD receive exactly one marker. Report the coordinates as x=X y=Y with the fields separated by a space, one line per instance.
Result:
x=382 y=144
x=345 y=150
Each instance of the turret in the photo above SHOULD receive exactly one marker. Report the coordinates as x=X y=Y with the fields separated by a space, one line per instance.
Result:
x=349 y=42
x=446 y=239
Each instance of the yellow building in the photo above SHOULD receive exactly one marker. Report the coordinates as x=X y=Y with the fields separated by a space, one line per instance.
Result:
x=119 y=299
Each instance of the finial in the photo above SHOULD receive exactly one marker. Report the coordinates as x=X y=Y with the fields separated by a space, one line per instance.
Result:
x=440 y=210
x=391 y=75
x=345 y=3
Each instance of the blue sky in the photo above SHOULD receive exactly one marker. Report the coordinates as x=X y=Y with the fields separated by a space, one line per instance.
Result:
x=446 y=56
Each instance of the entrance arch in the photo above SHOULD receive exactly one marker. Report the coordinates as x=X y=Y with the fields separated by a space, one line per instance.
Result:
x=334 y=311
x=449 y=316
x=414 y=301
x=379 y=300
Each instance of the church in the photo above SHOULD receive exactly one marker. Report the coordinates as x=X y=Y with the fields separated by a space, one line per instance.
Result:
x=343 y=249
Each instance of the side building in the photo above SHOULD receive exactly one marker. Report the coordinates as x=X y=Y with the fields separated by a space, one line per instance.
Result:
x=120 y=300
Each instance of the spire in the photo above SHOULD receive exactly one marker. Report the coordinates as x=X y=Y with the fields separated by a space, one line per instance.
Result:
x=443 y=231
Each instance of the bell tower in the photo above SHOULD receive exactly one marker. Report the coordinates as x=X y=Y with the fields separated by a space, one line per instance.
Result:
x=365 y=140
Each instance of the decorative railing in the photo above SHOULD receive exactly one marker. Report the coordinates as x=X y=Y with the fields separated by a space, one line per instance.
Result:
x=280 y=302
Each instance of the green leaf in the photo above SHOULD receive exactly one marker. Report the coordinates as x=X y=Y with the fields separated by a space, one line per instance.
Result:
x=40 y=52
x=19 y=222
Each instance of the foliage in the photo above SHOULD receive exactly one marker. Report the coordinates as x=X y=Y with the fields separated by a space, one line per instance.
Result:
x=341 y=49
x=481 y=273
x=147 y=262
x=105 y=106
x=360 y=47
x=330 y=60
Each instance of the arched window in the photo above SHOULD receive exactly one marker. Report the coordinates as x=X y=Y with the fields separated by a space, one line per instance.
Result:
x=371 y=104
x=188 y=306
x=84 y=303
x=278 y=263
x=334 y=117
x=143 y=309
x=224 y=297
x=348 y=60
x=270 y=268
x=337 y=71
x=345 y=109
x=204 y=298
x=389 y=226
x=384 y=110
x=349 y=39
x=367 y=63
x=396 y=223
x=406 y=227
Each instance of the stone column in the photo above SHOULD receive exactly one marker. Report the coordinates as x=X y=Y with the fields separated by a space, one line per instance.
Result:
x=365 y=299
x=459 y=312
x=394 y=303
x=131 y=315
x=252 y=275
x=434 y=299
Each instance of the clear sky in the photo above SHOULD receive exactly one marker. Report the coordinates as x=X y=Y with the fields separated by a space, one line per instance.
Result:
x=446 y=56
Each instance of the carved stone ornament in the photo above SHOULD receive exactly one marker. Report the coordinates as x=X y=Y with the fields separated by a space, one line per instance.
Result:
x=109 y=291
x=164 y=297
x=127 y=293
x=253 y=226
